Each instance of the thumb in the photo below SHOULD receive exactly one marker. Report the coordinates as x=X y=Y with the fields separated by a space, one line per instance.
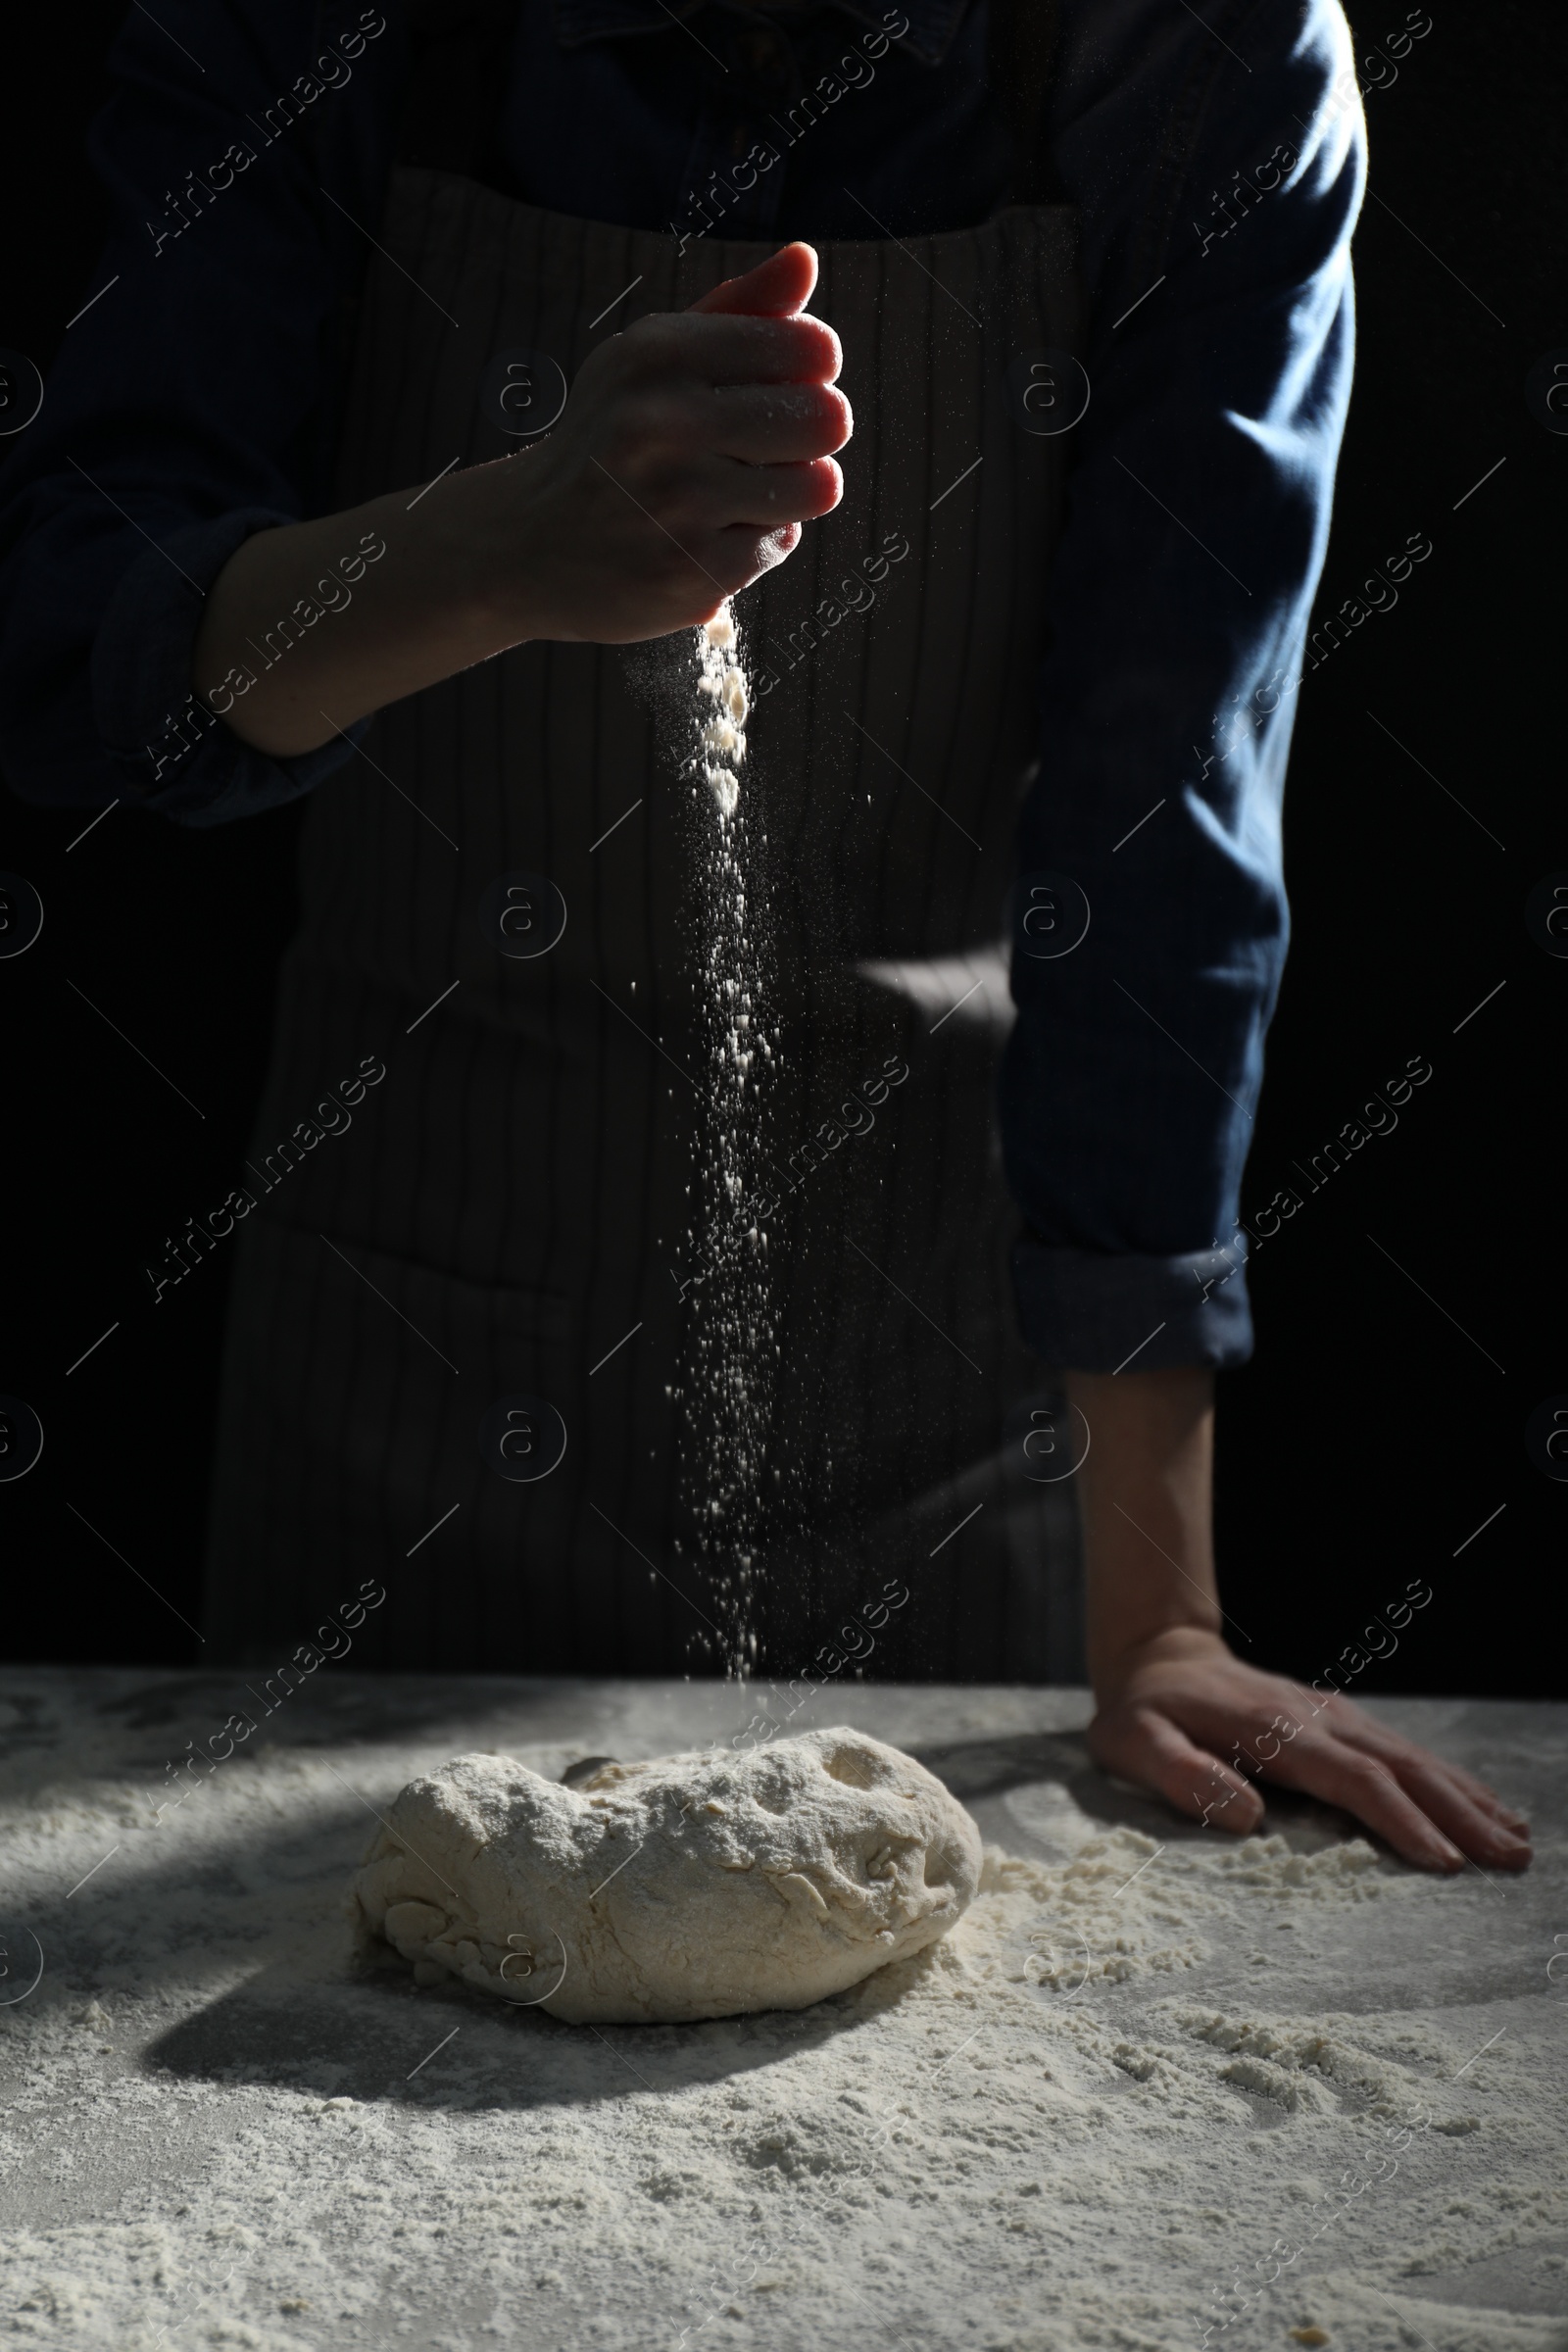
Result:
x=776 y=288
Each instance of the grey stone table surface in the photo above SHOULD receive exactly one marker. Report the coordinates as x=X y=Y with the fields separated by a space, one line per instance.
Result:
x=1158 y=2088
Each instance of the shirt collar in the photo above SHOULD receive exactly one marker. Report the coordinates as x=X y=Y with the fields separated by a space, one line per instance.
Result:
x=931 y=23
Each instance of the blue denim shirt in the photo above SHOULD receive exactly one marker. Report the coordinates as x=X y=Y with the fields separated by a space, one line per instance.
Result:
x=1216 y=155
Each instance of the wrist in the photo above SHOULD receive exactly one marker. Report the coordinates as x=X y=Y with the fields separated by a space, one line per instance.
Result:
x=1113 y=1665
x=469 y=546
x=1146 y=1493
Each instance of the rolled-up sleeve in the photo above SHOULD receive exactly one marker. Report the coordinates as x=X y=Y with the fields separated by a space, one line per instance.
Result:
x=190 y=405
x=1219 y=167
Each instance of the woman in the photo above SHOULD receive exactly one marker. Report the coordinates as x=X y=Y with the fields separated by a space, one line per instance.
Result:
x=480 y=1335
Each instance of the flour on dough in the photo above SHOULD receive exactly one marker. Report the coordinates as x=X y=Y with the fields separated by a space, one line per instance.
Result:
x=694 y=1887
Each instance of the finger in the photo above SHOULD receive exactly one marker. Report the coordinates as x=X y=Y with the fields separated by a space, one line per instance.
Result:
x=1475 y=1789
x=694 y=499
x=719 y=350
x=749 y=555
x=1142 y=1745
x=1363 y=1784
x=1476 y=1830
x=1350 y=1723
x=757 y=424
x=776 y=288
x=1409 y=1763
x=773 y=424
x=1471 y=1813
x=725 y=496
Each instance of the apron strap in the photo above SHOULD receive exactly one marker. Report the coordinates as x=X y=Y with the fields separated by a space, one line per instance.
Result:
x=450 y=116
x=1020 y=52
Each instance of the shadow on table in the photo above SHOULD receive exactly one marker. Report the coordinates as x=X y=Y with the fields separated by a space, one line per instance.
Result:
x=990 y=1767
x=380 y=2040
x=981 y=1771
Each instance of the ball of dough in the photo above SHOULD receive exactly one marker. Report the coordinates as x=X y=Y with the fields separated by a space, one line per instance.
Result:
x=695 y=1887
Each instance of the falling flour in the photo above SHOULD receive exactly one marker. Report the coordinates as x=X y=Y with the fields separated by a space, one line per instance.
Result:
x=723 y=731
x=731 y=1355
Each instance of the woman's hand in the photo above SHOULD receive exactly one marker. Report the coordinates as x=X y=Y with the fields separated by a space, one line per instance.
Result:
x=1180 y=1714
x=1177 y=1711
x=692 y=449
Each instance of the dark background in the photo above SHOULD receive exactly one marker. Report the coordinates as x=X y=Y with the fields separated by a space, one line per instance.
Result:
x=1371 y=1436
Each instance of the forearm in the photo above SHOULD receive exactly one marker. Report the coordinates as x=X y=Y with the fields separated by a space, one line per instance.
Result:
x=309 y=628
x=1147 y=1495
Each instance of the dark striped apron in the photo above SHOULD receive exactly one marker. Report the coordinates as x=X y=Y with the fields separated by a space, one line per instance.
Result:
x=515 y=1195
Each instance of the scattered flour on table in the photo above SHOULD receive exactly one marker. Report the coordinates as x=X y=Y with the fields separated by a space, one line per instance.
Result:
x=1047 y=2131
